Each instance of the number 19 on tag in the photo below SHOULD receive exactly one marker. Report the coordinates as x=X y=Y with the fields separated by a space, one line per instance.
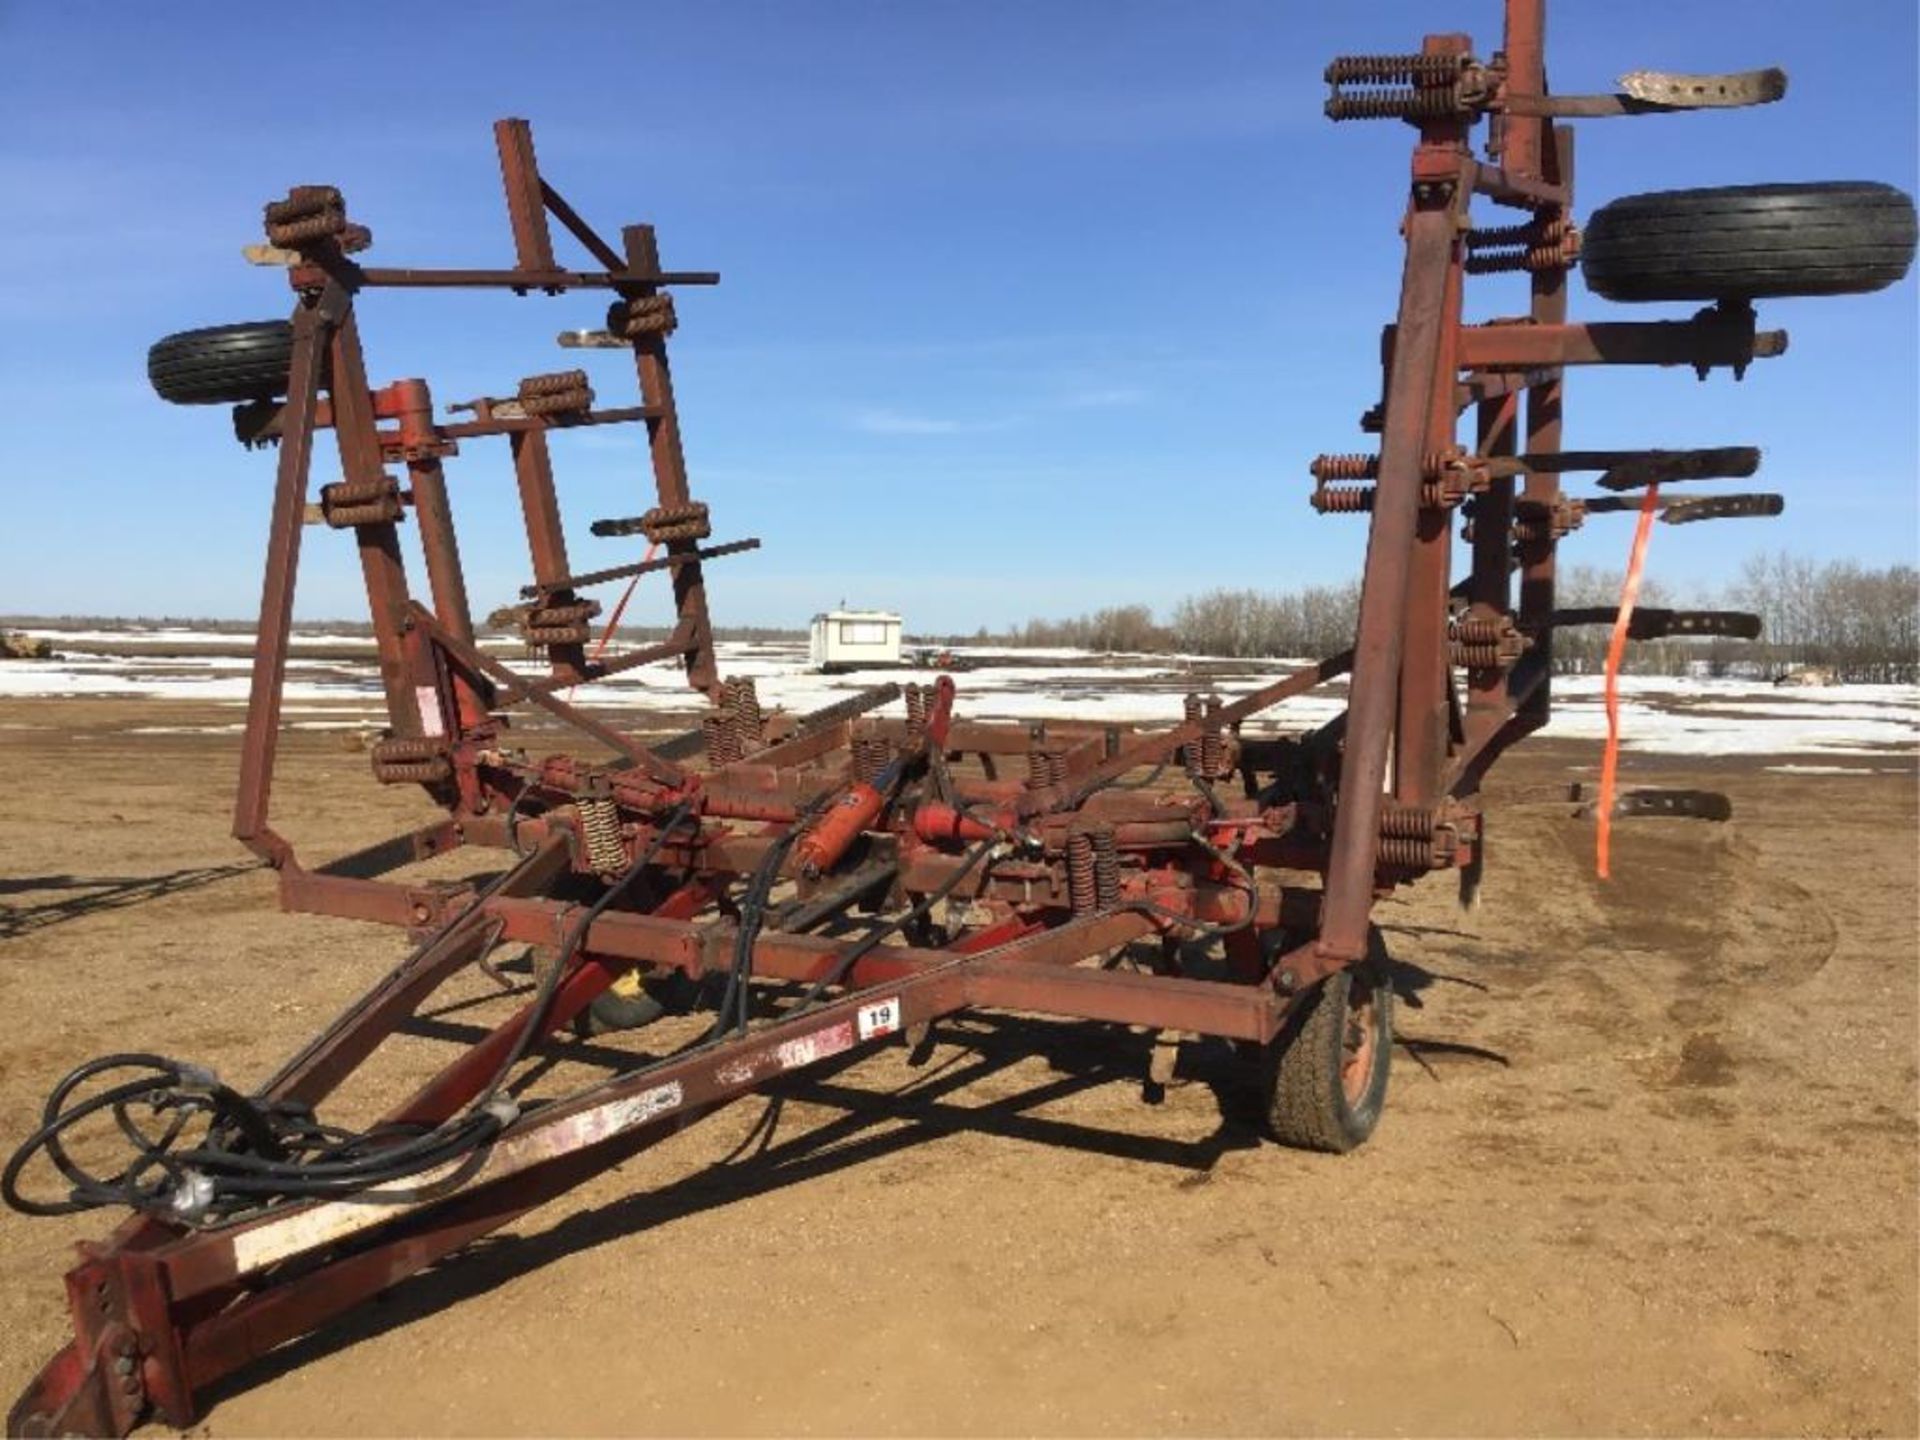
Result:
x=882 y=1017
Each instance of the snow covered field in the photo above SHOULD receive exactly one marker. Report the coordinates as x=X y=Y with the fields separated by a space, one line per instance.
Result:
x=1664 y=715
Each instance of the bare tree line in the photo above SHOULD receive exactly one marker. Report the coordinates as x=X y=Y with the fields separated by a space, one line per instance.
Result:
x=1239 y=624
x=1859 y=623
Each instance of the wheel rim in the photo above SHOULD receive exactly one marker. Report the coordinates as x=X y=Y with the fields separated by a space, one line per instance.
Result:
x=1359 y=1042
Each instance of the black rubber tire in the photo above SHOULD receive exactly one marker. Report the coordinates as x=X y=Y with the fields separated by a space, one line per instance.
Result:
x=1308 y=1106
x=222 y=364
x=673 y=993
x=610 y=1012
x=1741 y=242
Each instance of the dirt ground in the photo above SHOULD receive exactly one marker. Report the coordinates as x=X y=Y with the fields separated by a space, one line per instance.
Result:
x=1649 y=1162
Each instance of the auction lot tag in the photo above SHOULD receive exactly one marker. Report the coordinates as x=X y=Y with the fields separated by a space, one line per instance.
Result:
x=882 y=1017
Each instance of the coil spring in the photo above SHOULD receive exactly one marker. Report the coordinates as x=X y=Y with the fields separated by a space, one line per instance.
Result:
x=1206 y=758
x=1539 y=257
x=557 y=382
x=1083 y=881
x=722 y=739
x=1405 y=852
x=415 y=772
x=600 y=828
x=1213 y=755
x=309 y=212
x=916 y=698
x=558 y=634
x=1342 y=499
x=1408 y=822
x=345 y=517
x=559 y=402
x=357 y=492
x=643 y=315
x=664 y=524
x=1433 y=466
x=742 y=701
x=1046 y=767
x=1437 y=103
x=1485 y=642
x=1407 y=837
x=302 y=201
x=1345 y=467
x=563 y=612
x=1358 y=499
x=871 y=755
x=310 y=227
x=1548 y=520
x=1391 y=69
x=407 y=759
x=1477 y=657
x=560 y=622
x=347 y=503
x=1486 y=237
x=1538 y=245
x=1106 y=869
x=1193 y=753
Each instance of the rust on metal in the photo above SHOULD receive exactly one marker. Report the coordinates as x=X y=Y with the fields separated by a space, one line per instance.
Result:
x=1005 y=862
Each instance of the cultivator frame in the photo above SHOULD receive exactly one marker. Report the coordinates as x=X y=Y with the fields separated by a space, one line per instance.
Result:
x=639 y=861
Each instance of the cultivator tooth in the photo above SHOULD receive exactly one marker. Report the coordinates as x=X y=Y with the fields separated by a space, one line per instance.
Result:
x=1686 y=510
x=1633 y=470
x=1656 y=92
x=1680 y=804
x=1706 y=92
x=592 y=340
x=1654 y=623
x=1722 y=507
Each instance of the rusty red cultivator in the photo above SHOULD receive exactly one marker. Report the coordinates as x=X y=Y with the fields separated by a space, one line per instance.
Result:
x=853 y=873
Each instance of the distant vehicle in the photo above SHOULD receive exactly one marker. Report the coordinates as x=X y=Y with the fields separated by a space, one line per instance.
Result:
x=853 y=640
x=935 y=657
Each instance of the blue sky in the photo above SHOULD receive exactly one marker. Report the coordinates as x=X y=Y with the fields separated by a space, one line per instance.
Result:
x=1028 y=307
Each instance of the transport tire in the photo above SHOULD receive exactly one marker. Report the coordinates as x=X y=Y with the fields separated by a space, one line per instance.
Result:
x=1737 y=242
x=222 y=364
x=1326 y=1071
x=615 y=1011
x=636 y=1000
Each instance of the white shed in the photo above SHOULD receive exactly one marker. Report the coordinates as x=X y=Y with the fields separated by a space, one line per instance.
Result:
x=854 y=639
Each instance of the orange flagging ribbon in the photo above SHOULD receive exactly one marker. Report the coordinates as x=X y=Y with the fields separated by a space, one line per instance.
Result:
x=1616 y=653
x=613 y=623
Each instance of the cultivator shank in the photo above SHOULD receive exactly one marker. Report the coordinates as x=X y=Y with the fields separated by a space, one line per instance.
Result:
x=838 y=877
